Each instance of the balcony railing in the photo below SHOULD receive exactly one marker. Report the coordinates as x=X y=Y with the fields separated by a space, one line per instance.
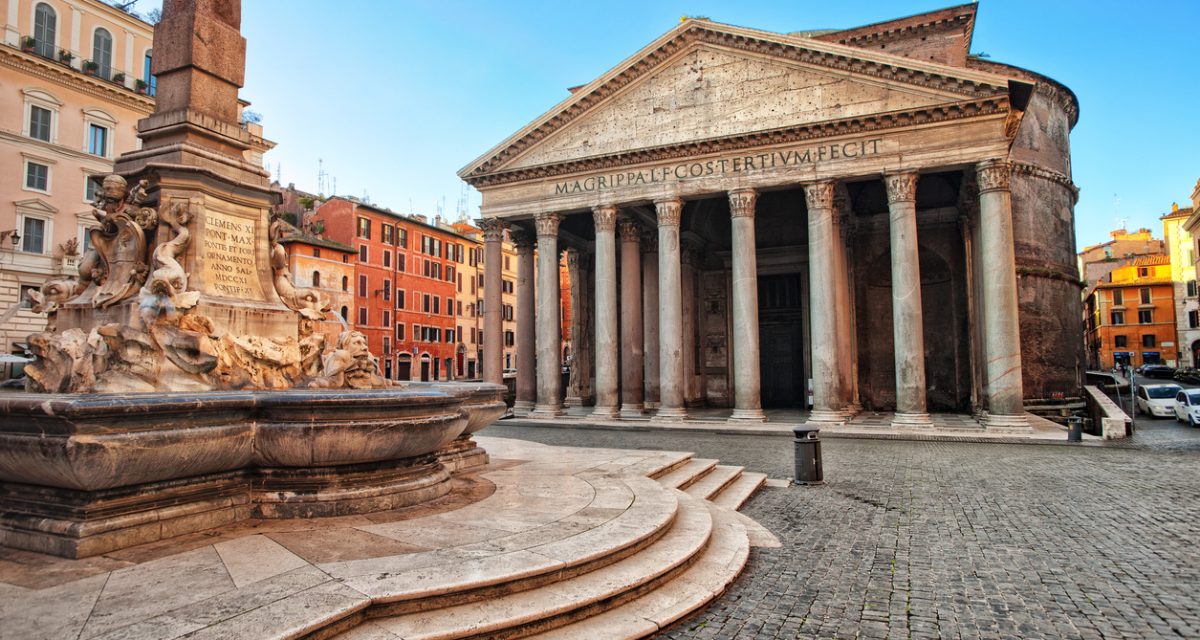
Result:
x=44 y=49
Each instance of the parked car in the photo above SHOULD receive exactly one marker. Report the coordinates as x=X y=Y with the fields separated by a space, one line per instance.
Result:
x=1187 y=406
x=1158 y=371
x=1156 y=400
x=1188 y=375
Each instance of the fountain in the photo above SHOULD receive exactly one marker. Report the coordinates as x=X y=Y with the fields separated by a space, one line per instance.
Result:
x=182 y=382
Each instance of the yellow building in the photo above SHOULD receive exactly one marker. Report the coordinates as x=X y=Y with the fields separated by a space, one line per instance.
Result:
x=74 y=81
x=1129 y=316
x=1182 y=250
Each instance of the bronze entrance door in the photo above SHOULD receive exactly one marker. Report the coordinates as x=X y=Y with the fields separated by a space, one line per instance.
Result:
x=781 y=341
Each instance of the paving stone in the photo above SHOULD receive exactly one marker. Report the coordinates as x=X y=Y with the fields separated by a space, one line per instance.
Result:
x=955 y=540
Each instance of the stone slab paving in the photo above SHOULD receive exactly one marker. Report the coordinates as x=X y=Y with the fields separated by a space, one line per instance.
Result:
x=956 y=540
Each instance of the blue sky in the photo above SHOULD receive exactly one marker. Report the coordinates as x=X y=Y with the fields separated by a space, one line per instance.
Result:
x=395 y=96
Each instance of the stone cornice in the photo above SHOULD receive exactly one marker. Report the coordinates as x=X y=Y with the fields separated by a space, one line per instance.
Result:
x=841 y=58
x=809 y=131
x=69 y=78
x=903 y=29
x=1035 y=171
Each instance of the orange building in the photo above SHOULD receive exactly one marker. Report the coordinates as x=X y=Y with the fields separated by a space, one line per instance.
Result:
x=319 y=263
x=1130 y=316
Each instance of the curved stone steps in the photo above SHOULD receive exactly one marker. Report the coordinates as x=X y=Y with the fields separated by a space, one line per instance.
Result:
x=736 y=493
x=561 y=602
x=713 y=482
x=703 y=582
x=687 y=474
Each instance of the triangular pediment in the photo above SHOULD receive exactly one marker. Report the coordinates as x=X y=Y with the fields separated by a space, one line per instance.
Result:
x=705 y=81
x=35 y=205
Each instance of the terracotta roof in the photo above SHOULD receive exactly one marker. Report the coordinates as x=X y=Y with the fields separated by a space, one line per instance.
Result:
x=1150 y=261
x=1181 y=212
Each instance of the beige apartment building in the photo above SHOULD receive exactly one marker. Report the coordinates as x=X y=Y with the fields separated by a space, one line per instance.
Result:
x=74 y=81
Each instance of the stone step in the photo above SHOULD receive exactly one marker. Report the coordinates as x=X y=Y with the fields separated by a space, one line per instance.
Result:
x=687 y=474
x=703 y=582
x=736 y=493
x=714 y=481
x=579 y=543
x=563 y=602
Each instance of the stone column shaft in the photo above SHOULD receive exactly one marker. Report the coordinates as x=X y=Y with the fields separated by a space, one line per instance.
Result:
x=549 y=322
x=579 y=385
x=1002 y=338
x=692 y=392
x=907 y=324
x=747 y=396
x=844 y=289
x=526 y=322
x=824 y=311
x=493 y=303
x=605 y=347
x=670 y=311
x=650 y=321
x=632 y=363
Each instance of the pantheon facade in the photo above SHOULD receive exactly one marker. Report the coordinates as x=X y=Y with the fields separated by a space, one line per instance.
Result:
x=868 y=220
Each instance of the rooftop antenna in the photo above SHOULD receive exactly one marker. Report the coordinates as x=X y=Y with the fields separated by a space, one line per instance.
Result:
x=321 y=176
x=334 y=189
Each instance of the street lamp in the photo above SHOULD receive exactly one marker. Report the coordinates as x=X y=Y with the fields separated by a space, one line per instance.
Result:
x=11 y=234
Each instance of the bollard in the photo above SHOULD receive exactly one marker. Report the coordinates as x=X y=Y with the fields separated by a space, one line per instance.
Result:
x=1074 y=429
x=808 y=455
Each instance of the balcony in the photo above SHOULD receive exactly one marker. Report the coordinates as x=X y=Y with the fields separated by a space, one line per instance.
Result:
x=45 y=51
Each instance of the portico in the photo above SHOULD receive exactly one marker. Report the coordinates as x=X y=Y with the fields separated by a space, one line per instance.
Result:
x=769 y=213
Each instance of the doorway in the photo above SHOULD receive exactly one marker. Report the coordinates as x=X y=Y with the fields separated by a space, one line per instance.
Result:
x=781 y=341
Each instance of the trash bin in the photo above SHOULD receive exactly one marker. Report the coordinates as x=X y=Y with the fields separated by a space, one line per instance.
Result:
x=807 y=445
x=1074 y=429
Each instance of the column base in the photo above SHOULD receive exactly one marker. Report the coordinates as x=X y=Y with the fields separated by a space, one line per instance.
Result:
x=547 y=411
x=747 y=415
x=829 y=417
x=912 y=421
x=651 y=405
x=669 y=415
x=573 y=401
x=633 y=411
x=522 y=408
x=605 y=413
x=995 y=423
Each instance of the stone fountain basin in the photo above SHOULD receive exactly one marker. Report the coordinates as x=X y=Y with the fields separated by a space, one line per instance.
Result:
x=94 y=441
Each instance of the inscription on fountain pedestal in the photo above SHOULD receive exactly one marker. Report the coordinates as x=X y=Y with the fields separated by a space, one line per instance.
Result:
x=230 y=256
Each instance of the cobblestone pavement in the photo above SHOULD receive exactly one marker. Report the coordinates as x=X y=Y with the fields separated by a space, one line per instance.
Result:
x=955 y=540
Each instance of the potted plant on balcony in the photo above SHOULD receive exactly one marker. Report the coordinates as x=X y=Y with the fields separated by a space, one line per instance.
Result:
x=118 y=78
x=140 y=85
x=65 y=57
x=90 y=67
x=28 y=43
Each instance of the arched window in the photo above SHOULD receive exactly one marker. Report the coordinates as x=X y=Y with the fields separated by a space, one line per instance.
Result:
x=45 y=23
x=102 y=52
x=316 y=278
x=345 y=283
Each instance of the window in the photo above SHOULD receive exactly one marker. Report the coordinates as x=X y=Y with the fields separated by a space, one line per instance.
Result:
x=403 y=238
x=388 y=234
x=37 y=176
x=1191 y=288
x=401 y=263
x=1148 y=340
x=400 y=332
x=1143 y=272
x=387 y=341
x=98 y=140
x=507 y=266
x=362 y=254
x=345 y=283
x=416 y=334
x=387 y=318
x=450 y=336
x=387 y=292
x=1193 y=319
x=1146 y=316
x=91 y=185
x=40 y=119
x=387 y=258
x=1118 y=317
x=1120 y=342
x=102 y=51
x=316 y=278
x=362 y=315
x=345 y=314
x=459 y=313
x=437 y=305
x=33 y=235
x=506 y=286
x=508 y=312
x=364 y=228
x=473 y=330
x=149 y=78
x=1145 y=295
x=316 y=252
x=1118 y=297
x=509 y=338
x=45 y=24
x=362 y=286
x=425 y=305
x=399 y=298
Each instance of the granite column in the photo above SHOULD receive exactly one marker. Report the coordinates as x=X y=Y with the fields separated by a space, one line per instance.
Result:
x=493 y=302
x=549 y=321
x=650 y=327
x=526 y=322
x=746 y=375
x=907 y=324
x=670 y=312
x=823 y=237
x=632 y=364
x=606 y=352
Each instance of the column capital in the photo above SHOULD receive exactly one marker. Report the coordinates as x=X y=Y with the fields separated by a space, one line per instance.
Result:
x=819 y=195
x=547 y=224
x=902 y=186
x=605 y=217
x=669 y=210
x=522 y=239
x=741 y=203
x=631 y=231
x=493 y=228
x=650 y=241
x=993 y=175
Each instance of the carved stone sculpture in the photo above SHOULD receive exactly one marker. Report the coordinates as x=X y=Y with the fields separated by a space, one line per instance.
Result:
x=310 y=303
